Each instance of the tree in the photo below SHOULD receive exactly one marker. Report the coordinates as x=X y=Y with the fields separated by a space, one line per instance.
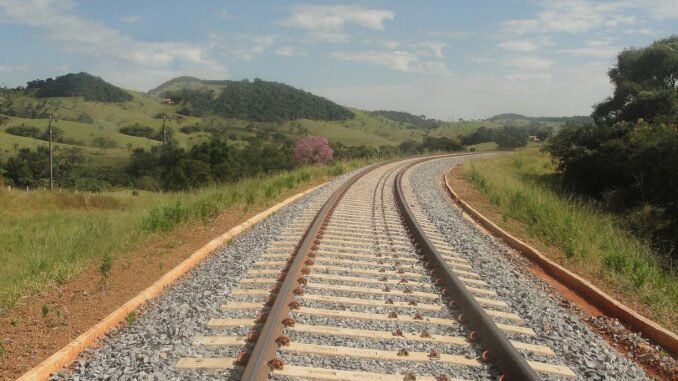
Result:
x=312 y=150
x=511 y=137
x=104 y=142
x=409 y=147
x=645 y=85
x=630 y=154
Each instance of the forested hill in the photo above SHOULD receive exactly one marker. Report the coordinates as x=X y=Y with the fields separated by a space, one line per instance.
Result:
x=78 y=85
x=405 y=117
x=257 y=100
x=186 y=82
x=578 y=119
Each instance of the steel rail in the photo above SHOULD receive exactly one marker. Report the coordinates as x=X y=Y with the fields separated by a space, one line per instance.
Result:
x=500 y=350
x=258 y=361
x=258 y=367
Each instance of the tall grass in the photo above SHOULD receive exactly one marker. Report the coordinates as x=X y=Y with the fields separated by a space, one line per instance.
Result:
x=49 y=237
x=525 y=187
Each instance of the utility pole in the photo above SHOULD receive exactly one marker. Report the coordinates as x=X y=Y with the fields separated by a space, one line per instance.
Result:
x=164 y=130
x=51 y=173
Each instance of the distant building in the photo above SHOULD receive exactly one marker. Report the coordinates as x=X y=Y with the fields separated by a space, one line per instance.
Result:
x=533 y=138
x=167 y=101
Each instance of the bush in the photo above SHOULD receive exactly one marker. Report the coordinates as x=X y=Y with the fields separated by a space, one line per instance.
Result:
x=90 y=184
x=147 y=183
x=164 y=218
x=26 y=131
x=511 y=137
x=141 y=131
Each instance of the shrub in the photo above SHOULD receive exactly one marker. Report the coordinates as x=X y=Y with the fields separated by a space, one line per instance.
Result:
x=164 y=218
x=147 y=183
x=91 y=184
x=511 y=137
x=27 y=131
x=141 y=131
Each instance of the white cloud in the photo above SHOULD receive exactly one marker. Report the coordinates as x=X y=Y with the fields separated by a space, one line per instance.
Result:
x=226 y=15
x=335 y=37
x=529 y=63
x=327 y=22
x=13 y=68
x=592 y=51
x=110 y=47
x=395 y=60
x=289 y=51
x=434 y=48
x=243 y=47
x=519 y=45
x=642 y=31
x=446 y=35
x=419 y=48
x=545 y=78
x=594 y=48
x=572 y=92
x=581 y=16
x=660 y=9
x=383 y=43
x=572 y=16
x=129 y=19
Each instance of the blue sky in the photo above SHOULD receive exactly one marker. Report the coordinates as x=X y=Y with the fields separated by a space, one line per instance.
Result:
x=446 y=59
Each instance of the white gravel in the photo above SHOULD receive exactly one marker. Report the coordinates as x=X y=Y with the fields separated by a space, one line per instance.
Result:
x=149 y=348
x=165 y=327
x=574 y=343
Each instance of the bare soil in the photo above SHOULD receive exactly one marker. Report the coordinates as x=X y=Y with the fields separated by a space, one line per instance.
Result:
x=651 y=358
x=27 y=337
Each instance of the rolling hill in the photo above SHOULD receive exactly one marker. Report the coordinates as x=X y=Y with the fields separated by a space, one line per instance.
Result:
x=89 y=111
x=522 y=120
x=79 y=85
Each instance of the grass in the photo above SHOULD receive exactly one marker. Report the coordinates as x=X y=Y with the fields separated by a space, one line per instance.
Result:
x=108 y=118
x=525 y=187
x=46 y=238
x=484 y=146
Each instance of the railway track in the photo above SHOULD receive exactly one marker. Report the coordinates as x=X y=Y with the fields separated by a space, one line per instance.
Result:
x=368 y=289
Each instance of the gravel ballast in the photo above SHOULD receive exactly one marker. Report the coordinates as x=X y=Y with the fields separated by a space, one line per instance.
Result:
x=573 y=342
x=165 y=328
x=149 y=348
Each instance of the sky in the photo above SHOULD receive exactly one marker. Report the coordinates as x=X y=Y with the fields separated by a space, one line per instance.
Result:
x=444 y=59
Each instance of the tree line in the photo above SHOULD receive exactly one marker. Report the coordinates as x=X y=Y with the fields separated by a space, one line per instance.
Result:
x=628 y=158
x=416 y=121
x=259 y=100
x=78 y=85
x=509 y=136
x=171 y=167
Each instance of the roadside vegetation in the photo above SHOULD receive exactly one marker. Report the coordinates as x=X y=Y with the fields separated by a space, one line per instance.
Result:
x=47 y=237
x=525 y=186
x=605 y=194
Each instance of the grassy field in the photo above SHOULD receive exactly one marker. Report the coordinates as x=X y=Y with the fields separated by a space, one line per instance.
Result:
x=364 y=129
x=108 y=118
x=46 y=238
x=524 y=186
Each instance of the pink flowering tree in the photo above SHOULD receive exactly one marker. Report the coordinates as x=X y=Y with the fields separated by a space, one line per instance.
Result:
x=312 y=150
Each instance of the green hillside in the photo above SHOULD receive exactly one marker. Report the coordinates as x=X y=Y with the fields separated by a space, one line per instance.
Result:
x=105 y=133
x=258 y=100
x=186 y=82
x=553 y=121
x=84 y=123
x=79 y=85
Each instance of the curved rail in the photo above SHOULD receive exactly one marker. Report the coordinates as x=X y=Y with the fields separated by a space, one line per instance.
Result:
x=262 y=358
x=500 y=350
x=263 y=353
